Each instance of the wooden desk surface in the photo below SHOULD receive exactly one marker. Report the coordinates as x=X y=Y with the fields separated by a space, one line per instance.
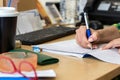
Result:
x=72 y=68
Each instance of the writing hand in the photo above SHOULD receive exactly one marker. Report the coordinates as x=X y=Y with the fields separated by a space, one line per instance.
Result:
x=82 y=39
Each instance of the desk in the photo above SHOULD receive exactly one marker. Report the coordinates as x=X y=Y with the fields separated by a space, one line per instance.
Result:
x=71 y=68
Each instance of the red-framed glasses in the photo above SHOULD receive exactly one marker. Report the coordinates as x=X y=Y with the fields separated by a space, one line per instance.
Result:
x=8 y=66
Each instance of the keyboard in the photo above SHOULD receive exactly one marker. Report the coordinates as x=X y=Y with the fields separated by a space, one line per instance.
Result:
x=44 y=35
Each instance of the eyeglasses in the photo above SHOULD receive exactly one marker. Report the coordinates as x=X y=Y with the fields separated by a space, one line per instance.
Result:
x=8 y=66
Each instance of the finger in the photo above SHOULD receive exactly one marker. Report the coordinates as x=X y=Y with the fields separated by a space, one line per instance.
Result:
x=76 y=37
x=113 y=44
x=80 y=33
x=93 y=37
x=107 y=46
x=77 y=40
x=119 y=50
x=84 y=41
x=116 y=46
x=81 y=37
x=89 y=45
x=94 y=46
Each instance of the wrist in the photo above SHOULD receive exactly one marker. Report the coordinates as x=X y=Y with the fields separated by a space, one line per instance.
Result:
x=104 y=35
x=109 y=33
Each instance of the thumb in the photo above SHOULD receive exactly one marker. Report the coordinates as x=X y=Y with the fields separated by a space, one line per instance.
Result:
x=93 y=37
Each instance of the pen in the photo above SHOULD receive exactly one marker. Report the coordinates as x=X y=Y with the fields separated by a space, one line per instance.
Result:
x=88 y=32
x=9 y=3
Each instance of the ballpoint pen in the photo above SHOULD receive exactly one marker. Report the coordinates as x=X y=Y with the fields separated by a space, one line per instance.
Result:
x=88 y=32
x=9 y=3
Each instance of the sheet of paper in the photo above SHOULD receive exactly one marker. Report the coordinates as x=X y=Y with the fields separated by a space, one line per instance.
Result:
x=23 y=25
x=70 y=47
x=110 y=55
x=28 y=21
x=41 y=73
x=64 y=53
x=65 y=46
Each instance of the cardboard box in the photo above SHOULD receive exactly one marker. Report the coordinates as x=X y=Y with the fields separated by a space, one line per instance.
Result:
x=1 y=3
x=26 y=5
x=22 y=5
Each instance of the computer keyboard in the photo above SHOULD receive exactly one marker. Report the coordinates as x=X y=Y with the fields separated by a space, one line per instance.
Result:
x=44 y=35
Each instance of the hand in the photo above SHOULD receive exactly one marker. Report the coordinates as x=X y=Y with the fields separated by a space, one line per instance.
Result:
x=82 y=39
x=113 y=44
x=98 y=36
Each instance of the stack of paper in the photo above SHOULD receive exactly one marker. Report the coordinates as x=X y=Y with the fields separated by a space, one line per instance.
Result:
x=41 y=73
x=70 y=47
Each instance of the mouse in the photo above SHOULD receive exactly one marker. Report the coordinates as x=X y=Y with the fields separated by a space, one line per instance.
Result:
x=94 y=24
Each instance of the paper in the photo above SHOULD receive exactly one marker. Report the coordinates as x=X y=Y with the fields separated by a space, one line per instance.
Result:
x=28 y=21
x=70 y=47
x=41 y=73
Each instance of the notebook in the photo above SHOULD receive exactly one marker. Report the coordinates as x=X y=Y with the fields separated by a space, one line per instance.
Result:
x=70 y=47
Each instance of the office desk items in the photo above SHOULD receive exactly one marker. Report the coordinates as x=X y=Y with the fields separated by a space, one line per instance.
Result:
x=44 y=35
x=69 y=11
x=28 y=21
x=106 y=11
x=42 y=59
x=41 y=8
x=9 y=3
x=78 y=68
x=8 y=21
x=71 y=47
x=88 y=32
x=18 y=58
x=40 y=73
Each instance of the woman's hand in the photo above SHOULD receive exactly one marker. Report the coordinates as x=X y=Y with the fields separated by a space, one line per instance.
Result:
x=98 y=36
x=113 y=44
x=82 y=39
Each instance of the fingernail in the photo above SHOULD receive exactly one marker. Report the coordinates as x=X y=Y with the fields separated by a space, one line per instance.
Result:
x=90 y=39
x=89 y=46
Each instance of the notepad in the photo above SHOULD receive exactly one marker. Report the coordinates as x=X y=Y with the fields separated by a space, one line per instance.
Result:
x=70 y=47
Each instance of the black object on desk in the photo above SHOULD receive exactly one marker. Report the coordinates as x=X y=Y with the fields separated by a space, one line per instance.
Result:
x=105 y=11
x=44 y=35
